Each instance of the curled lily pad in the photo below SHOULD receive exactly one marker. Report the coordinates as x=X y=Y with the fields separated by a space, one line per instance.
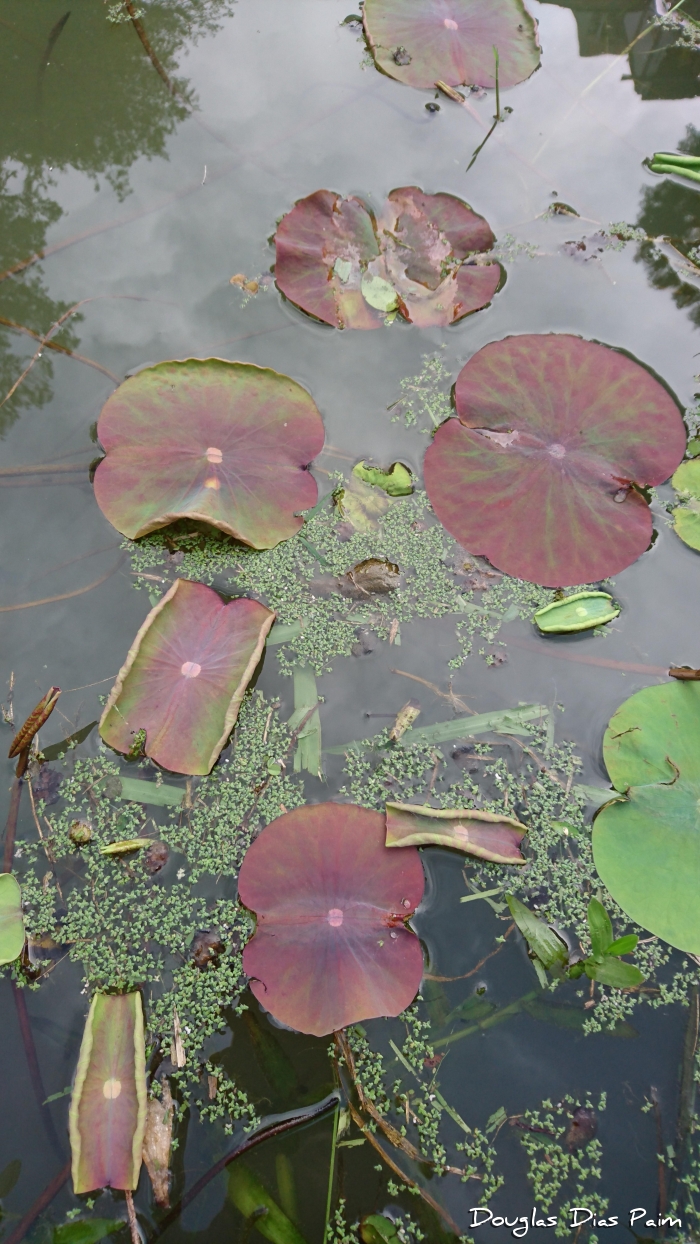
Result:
x=541 y=471
x=579 y=612
x=346 y=268
x=108 y=1104
x=11 y=922
x=396 y=482
x=646 y=845
x=185 y=675
x=686 y=518
x=331 y=946
x=226 y=443
x=421 y=42
x=484 y=834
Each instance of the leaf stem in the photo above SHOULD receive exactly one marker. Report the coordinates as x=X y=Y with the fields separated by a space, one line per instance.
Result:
x=498 y=96
x=331 y=1173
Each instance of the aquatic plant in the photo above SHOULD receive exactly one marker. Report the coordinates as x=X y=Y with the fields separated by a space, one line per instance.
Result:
x=417 y=259
x=555 y=438
x=226 y=443
x=184 y=677
x=423 y=41
x=331 y=946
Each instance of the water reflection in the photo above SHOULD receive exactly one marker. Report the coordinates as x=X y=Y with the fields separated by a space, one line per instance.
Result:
x=658 y=68
x=672 y=210
x=77 y=92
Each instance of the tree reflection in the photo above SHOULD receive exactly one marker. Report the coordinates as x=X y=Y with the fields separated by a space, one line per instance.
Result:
x=672 y=211
x=658 y=67
x=77 y=91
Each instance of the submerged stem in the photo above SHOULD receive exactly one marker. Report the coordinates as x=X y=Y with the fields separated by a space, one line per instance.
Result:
x=331 y=1173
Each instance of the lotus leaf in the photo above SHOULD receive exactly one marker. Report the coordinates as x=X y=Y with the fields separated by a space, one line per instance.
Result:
x=331 y=946
x=226 y=443
x=421 y=42
x=338 y=263
x=541 y=472
x=579 y=612
x=185 y=675
x=108 y=1104
x=646 y=846
x=11 y=923
x=484 y=834
x=686 y=519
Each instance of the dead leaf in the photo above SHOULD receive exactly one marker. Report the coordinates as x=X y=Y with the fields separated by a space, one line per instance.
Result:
x=583 y=1127
x=684 y=673
x=206 y=947
x=157 y=1141
x=370 y=577
x=177 y=1049
x=404 y=719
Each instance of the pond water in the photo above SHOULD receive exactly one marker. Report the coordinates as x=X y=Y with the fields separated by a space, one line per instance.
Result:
x=145 y=194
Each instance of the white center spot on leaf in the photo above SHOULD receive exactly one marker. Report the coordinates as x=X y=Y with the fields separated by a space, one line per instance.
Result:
x=556 y=451
x=451 y=24
x=215 y=455
x=111 y=1089
x=212 y=482
x=190 y=669
x=335 y=917
x=580 y=611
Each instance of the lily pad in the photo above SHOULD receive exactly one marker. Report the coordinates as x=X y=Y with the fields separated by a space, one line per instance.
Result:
x=541 y=471
x=226 y=443
x=579 y=612
x=421 y=42
x=484 y=834
x=686 y=519
x=11 y=922
x=420 y=257
x=646 y=845
x=331 y=946
x=108 y=1104
x=185 y=676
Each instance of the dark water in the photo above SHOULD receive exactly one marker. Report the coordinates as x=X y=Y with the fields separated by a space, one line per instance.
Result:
x=150 y=210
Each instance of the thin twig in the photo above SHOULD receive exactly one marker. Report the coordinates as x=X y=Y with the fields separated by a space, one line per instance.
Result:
x=11 y=825
x=455 y=700
x=56 y=345
x=50 y=600
x=151 y=54
x=42 y=342
x=131 y=1214
x=428 y=977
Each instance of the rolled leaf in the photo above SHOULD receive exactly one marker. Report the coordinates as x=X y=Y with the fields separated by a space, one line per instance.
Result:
x=108 y=1105
x=484 y=834
x=185 y=676
x=34 y=722
x=157 y=1142
x=579 y=612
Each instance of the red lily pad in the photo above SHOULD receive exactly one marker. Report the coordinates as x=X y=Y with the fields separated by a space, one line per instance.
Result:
x=338 y=263
x=421 y=42
x=331 y=947
x=226 y=443
x=487 y=835
x=184 y=677
x=542 y=470
x=108 y=1104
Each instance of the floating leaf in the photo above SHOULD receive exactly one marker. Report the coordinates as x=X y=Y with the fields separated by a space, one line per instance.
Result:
x=646 y=845
x=397 y=481
x=547 y=946
x=338 y=263
x=56 y=750
x=421 y=41
x=614 y=973
x=159 y=795
x=501 y=721
x=125 y=845
x=226 y=443
x=583 y=1127
x=376 y=1229
x=11 y=922
x=405 y=718
x=542 y=470
x=185 y=676
x=371 y=577
x=331 y=947
x=108 y=1105
x=252 y=1198
x=579 y=612
x=9 y=1176
x=686 y=519
x=86 y=1230
x=307 y=755
x=484 y=834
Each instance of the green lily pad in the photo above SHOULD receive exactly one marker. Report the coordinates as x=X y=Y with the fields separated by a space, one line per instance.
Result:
x=396 y=482
x=646 y=846
x=686 y=519
x=579 y=612
x=379 y=293
x=11 y=923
